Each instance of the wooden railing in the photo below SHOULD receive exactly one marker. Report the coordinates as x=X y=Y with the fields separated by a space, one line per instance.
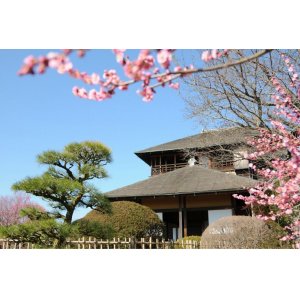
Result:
x=224 y=166
x=155 y=170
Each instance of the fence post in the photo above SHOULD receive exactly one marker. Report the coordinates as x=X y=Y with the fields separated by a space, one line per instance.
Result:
x=157 y=244
x=132 y=243
x=150 y=242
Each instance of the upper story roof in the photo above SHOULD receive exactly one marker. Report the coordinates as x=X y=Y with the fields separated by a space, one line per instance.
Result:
x=223 y=136
x=206 y=139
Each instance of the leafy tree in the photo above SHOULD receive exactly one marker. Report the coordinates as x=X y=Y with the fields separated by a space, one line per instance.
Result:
x=65 y=185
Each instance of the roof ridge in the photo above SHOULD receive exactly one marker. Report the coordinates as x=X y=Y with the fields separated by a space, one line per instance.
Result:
x=223 y=128
x=183 y=138
x=201 y=140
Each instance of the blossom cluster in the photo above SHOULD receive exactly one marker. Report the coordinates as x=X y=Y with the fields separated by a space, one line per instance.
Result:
x=209 y=55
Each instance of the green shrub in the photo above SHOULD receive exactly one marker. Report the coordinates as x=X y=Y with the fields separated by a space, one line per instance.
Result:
x=129 y=219
x=91 y=228
x=240 y=232
x=43 y=233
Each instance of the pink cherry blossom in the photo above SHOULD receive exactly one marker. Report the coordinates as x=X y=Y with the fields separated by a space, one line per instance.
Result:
x=174 y=85
x=213 y=54
x=119 y=55
x=164 y=58
x=147 y=94
x=205 y=56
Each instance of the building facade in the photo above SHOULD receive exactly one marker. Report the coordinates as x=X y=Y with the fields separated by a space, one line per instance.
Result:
x=193 y=180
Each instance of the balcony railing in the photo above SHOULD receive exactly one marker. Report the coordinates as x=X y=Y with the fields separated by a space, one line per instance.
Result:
x=155 y=170
x=224 y=166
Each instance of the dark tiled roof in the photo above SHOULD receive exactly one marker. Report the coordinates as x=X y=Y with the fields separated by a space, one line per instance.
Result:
x=224 y=136
x=187 y=180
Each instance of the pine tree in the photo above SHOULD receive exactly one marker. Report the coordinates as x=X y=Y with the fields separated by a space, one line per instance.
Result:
x=65 y=185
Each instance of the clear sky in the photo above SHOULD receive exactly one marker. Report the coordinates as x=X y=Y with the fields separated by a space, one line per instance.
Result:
x=40 y=113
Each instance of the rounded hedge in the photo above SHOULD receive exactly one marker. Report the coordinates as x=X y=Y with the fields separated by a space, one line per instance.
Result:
x=240 y=232
x=129 y=219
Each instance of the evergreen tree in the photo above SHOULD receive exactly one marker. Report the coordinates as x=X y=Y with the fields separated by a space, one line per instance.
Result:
x=65 y=185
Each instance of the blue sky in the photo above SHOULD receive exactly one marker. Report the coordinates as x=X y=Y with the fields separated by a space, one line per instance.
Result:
x=40 y=113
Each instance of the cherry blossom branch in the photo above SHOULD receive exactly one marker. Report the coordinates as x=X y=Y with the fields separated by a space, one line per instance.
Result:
x=145 y=62
x=187 y=71
x=143 y=69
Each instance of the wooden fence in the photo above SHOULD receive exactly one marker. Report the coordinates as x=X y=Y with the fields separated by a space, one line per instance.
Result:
x=116 y=243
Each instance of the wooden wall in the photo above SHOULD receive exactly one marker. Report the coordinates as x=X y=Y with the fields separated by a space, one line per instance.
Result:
x=197 y=201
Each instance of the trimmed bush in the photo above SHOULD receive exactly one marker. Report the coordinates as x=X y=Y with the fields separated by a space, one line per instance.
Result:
x=90 y=228
x=239 y=232
x=129 y=219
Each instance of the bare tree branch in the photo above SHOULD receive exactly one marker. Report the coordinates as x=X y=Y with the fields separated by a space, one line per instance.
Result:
x=240 y=95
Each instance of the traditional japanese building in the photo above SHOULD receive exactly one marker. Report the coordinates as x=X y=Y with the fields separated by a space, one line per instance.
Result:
x=193 y=180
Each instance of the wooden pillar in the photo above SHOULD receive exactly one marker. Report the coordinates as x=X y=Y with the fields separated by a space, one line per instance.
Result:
x=180 y=218
x=233 y=205
x=160 y=164
x=185 y=224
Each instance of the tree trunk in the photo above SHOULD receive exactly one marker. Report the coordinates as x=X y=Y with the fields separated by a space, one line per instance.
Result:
x=69 y=216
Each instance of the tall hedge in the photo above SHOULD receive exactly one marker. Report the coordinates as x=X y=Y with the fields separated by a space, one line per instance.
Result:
x=129 y=219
